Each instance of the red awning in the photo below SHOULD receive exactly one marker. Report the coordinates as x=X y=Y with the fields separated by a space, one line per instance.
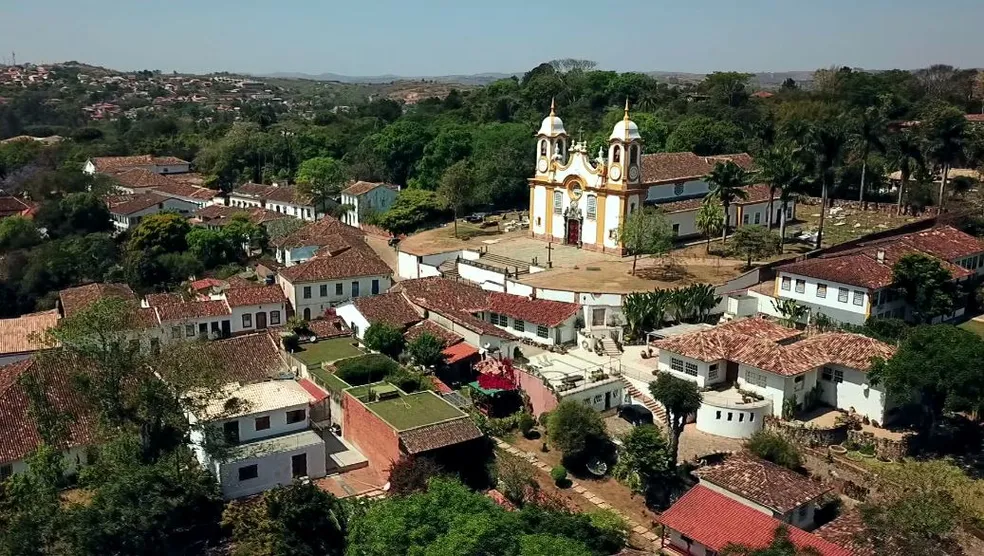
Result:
x=316 y=391
x=459 y=352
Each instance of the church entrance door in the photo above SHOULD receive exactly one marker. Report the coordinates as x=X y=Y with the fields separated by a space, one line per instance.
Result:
x=573 y=232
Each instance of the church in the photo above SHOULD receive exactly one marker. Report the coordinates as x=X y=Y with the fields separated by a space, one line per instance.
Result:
x=582 y=201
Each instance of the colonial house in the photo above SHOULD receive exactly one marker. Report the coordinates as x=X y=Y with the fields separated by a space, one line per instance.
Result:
x=179 y=320
x=127 y=211
x=284 y=199
x=777 y=364
x=155 y=164
x=215 y=216
x=703 y=522
x=198 y=196
x=73 y=300
x=256 y=308
x=579 y=200
x=769 y=488
x=850 y=286
x=367 y=197
x=23 y=336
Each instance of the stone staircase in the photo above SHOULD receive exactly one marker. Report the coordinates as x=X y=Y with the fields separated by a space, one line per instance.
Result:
x=659 y=415
x=610 y=348
x=513 y=265
x=374 y=494
x=449 y=269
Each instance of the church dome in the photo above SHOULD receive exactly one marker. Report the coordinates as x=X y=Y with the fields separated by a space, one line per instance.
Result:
x=552 y=125
x=626 y=129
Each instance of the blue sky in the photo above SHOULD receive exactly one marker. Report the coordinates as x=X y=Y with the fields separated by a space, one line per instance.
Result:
x=433 y=37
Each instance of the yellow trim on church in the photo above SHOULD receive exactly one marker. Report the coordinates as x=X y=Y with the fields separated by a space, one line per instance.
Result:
x=601 y=206
x=549 y=213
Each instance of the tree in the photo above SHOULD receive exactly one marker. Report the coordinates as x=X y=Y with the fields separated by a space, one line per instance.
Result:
x=426 y=350
x=365 y=369
x=412 y=210
x=905 y=153
x=782 y=169
x=211 y=247
x=74 y=214
x=643 y=458
x=32 y=519
x=705 y=136
x=772 y=446
x=679 y=398
x=937 y=368
x=727 y=87
x=646 y=232
x=18 y=232
x=575 y=428
x=791 y=311
x=160 y=233
x=825 y=142
x=756 y=242
x=727 y=181
x=515 y=479
x=945 y=130
x=456 y=189
x=870 y=128
x=411 y=473
x=321 y=178
x=709 y=219
x=385 y=339
x=926 y=285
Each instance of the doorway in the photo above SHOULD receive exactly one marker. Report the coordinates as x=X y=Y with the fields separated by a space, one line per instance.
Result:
x=573 y=232
x=608 y=400
x=261 y=320
x=731 y=374
x=298 y=466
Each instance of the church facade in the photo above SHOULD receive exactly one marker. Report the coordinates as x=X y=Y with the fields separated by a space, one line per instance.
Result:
x=580 y=200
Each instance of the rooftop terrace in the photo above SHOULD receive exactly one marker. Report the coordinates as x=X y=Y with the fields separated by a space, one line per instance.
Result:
x=409 y=411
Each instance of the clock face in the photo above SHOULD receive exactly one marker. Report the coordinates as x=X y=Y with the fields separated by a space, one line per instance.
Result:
x=542 y=165
x=615 y=173
x=634 y=173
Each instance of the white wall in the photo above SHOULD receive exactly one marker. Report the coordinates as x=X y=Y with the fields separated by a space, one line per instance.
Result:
x=774 y=389
x=318 y=304
x=378 y=200
x=353 y=318
x=744 y=421
x=278 y=423
x=829 y=305
x=670 y=191
x=541 y=210
x=695 y=548
x=273 y=470
x=238 y=312
x=593 y=394
x=703 y=368
x=854 y=392
x=73 y=460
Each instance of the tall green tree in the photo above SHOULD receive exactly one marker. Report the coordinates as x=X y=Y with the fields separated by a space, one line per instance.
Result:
x=905 y=153
x=869 y=130
x=945 y=132
x=826 y=142
x=727 y=181
x=160 y=233
x=457 y=189
x=679 y=399
x=926 y=286
x=783 y=170
x=574 y=428
x=385 y=339
x=709 y=219
x=426 y=350
x=644 y=458
x=755 y=242
x=322 y=178
x=18 y=232
x=646 y=232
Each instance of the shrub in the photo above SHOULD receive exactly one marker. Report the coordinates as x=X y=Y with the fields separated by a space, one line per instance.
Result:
x=364 y=369
x=575 y=427
x=774 y=447
x=611 y=525
x=385 y=339
x=525 y=423
x=501 y=426
x=410 y=474
x=514 y=478
x=559 y=474
x=544 y=419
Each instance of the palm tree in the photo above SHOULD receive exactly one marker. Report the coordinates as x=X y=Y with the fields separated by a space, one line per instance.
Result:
x=944 y=131
x=727 y=181
x=709 y=218
x=704 y=300
x=826 y=143
x=905 y=153
x=869 y=134
x=784 y=171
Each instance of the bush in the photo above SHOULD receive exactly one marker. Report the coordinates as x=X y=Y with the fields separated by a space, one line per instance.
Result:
x=559 y=474
x=525 y=423
x=774 y=447
x=611 y=525
x=514 y=478
x=501 y=426
x=410 y=474
x=364 y=369
x=385 y=339
x=575 y=428
x=544 y=419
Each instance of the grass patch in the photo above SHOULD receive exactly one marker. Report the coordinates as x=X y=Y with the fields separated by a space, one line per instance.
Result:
x=328 y=380
x=414 y=410
x=977 y=327
x=326 y=351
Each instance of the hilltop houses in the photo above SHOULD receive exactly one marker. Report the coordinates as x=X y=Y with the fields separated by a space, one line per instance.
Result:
x=282 y=199
x=367 y=198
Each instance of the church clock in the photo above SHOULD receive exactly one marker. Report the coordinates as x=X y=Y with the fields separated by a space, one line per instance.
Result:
x=634 y=173
x=542 y=165
x=615 y=172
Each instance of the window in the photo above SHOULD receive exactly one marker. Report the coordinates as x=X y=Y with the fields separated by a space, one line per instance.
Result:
x=543 y=147
x=519 y=325
x=821 y=290
x=558 y=202
x=758 y=217
x=274 y=317
x=307 y=313
x=838 y=375
x=541 y=331
x=751 y=417
x=756 y=379
x=676 y=230
x=718 y=415
x=634 y=157
x=6 y=471
x=155 y=346
x=323 y=290
x=298 y=465
x=800 y=286
x=741 y=417
x=617 y=154
x=248 y=472
x=798 y=383
x=592 y=207
x=355 y=289
x=597 y=399
x=691 y=369
x=494 y=318
x=261 y=423
x=676 y=365
x=598 y=316
x=730 y=415
x=176 y=332
x=203 y=329
x=307 y=292
x=858 y=297
x=230 y=431
x=842 y=295
x=827 y=374
x=338 y=288
x=296 y=416
x=678 y=189
x=375 y=287
x=712 y=372
x=744 y=219
x=247 y=320
x=786 y=283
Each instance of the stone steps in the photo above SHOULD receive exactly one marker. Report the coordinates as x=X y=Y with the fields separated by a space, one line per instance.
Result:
x=610 y=348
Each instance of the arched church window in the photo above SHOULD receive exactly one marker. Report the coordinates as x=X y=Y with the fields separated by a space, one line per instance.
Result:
x=634 y=158
x=543 y=147
x=631 y=208
x=558 y=202
x=617 y=155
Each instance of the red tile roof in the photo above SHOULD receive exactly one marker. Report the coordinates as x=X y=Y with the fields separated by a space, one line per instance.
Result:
x=219 y=215
x=329 y=326
x=945 y=242
x=763 y=482
x=715 y=521
x=182 y=190
x=445 y=336
x=206 y=283
x=361 y=187
x=129 y=204
x=75 y=299
x=660 y=168
x=19 y=435
x=439 y=435
x=459 y=352
x=454 y=300
x=279 y=193
x=26 y=333
x=117 y=163
x=256 y=295
x=538 y=311
x=351 y=263
x=758 y=193
x=12 y=206
x=247 y=359
x=141 y=178
x=850 y=531
x=320 y=233
x=389 y=308
x=193 y=310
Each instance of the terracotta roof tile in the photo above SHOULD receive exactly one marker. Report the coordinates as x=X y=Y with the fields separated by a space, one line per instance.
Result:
x=445 y=336
x=329 y=326
x=454 y=300
x=763 y=482
x=849 y=530
x=12 y=206
x=157 y=299
x=389 y=308
x=26 y=333
x=758 y=193
x=129 y=204
x=258 y=295
x=75 y=299
x=186 y=191
x=358 y=260
x=714 y=520
x=247 y=359
x=538 y=311
x=193 y=310
x=676 y=167
x=320 y=233
x=945 y=242
x=140 y=178
x=439 y=435
x=218 y=215
x=279 y=193
x=361 y=187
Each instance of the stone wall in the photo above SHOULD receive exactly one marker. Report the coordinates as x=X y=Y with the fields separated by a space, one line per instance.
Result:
x=808 y=435
x=885 y=448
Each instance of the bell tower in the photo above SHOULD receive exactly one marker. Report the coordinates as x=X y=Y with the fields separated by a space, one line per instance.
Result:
x=551 y=143
x=625 y=152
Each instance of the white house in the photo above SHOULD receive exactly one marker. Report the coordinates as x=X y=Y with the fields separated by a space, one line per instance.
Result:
x=266 y=437
x=777 y=364
x=255 y=308
x=390 y=308
x=283 y=199
x=186 y=320
x=127 y=211
x=367 y=197
x=155 y=164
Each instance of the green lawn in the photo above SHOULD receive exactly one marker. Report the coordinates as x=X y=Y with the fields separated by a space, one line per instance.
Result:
x=977 y=327
x=329 y=380
x=414 y=410
x=326 y=351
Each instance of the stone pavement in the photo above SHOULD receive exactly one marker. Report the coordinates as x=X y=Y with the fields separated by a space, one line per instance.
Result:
x=577 y=487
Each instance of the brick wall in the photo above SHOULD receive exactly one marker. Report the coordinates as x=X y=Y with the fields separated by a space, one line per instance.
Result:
x=541 y=397
x=370 y=434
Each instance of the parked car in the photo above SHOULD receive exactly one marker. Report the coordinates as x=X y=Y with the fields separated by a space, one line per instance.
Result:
x=476 y=217
x=635 y=414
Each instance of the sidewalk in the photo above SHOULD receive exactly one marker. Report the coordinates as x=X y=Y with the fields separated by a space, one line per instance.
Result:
x=576 y=486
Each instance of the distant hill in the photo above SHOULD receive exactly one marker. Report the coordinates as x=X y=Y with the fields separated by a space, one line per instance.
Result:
x=764 y=80
x=475 y=79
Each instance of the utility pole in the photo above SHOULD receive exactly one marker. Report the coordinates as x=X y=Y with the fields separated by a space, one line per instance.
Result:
x=549 y=250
